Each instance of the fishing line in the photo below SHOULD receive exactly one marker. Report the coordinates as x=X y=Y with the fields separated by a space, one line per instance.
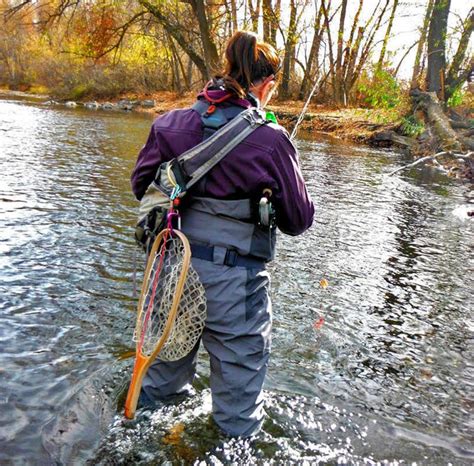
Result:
x=302 y=114
x=321 y=79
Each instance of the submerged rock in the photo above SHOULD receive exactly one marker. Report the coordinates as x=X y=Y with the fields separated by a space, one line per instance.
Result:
x=148 y=103
x=92 y=105
x=108 y=106
x=126 y=105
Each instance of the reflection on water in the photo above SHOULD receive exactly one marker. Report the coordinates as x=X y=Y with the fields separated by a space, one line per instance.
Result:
x=387 y=376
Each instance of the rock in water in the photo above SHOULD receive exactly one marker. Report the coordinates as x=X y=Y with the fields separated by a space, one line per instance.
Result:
x=149 y=103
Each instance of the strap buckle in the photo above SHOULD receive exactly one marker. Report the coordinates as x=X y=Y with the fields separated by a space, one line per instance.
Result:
x=231 y=258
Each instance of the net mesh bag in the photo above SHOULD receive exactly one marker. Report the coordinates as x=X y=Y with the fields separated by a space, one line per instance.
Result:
x=160 y=291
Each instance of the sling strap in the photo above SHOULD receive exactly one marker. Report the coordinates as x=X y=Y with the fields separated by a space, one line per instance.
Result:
x=193 y=164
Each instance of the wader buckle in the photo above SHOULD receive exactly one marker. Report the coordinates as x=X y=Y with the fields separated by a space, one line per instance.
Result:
x=231 y=258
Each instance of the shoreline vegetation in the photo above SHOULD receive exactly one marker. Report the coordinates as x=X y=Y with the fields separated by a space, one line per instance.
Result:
x=357 y=125
x=376 y=81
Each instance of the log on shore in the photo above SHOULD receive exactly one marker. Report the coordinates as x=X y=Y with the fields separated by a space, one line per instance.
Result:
x=446 y=137
x=388 y=138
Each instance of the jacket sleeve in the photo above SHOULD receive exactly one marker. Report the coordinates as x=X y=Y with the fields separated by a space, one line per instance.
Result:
x=149 y=159
x=293 y=205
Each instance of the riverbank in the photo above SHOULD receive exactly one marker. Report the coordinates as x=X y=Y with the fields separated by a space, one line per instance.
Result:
x=353 y=124
x=395 y=127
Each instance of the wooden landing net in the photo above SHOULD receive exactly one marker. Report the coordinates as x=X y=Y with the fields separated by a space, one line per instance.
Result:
x=171 y=309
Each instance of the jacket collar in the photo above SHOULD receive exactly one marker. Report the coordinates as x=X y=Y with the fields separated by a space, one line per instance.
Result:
x=219 y=92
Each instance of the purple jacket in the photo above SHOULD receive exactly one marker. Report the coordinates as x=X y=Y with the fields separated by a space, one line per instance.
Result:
x=266 y=159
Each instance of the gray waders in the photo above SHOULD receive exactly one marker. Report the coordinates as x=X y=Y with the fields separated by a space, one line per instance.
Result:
x=229 y=254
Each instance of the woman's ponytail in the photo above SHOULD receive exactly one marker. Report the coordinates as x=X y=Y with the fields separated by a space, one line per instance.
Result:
x=248 y=61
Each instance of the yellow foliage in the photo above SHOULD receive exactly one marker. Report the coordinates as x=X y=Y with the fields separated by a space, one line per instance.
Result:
x=143 y=50
x=39 y=89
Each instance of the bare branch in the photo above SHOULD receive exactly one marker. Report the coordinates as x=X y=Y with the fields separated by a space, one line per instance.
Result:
x=433 y=157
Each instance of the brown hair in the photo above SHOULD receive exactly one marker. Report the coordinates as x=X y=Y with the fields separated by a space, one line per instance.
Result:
x=248 y=61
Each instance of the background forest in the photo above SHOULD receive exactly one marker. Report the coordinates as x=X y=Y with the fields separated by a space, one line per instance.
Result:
x=75 y=49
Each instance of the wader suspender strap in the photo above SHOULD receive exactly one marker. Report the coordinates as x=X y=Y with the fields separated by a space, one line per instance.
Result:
x=196 y=162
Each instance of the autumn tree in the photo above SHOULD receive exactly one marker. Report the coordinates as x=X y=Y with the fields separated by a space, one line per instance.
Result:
x=271 y=10
x=417 y=67
x=460 y=66
x=436 y=68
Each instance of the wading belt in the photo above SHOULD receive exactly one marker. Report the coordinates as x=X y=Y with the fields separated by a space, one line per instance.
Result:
x=230 y=257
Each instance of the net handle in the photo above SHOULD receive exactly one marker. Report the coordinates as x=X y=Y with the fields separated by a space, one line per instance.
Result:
x=142 y=362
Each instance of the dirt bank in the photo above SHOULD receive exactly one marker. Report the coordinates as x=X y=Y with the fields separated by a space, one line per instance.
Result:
x=355 y=124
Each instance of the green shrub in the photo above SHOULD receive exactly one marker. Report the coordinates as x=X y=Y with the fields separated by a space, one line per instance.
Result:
x=411 y=126
x=379 y=90
x=79 y=91
x=456 y=98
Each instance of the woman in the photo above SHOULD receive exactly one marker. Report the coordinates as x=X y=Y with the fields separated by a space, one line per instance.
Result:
x=230 y=246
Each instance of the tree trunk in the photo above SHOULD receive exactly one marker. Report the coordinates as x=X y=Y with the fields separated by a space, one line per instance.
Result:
x=289 y=51
x=271 y=20
x=313 y=59
x=439 y=123
x=325 y=9
x=456 y=76
x=352 y=48
x=210 y=50
x=417 y=67
x=436 y=47
x=187 y=80
x=339 y=92
x=233 y=13
x=276 y=22
x=351 y=77
x=189 y=74
x=387 y=35
x=350 y=42
x=255 y=13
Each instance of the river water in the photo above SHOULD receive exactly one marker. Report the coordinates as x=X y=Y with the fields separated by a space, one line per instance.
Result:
x=375 y=368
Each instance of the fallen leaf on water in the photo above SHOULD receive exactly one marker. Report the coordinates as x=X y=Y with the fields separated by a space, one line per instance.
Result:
x=126 y=355
x=426 y=373
x=318 y=323
x=323 y=283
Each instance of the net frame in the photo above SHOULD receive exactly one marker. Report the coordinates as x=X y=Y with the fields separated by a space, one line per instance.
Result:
x=146 y=352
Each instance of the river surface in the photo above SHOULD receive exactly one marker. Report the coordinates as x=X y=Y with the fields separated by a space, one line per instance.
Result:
x=375 y=368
